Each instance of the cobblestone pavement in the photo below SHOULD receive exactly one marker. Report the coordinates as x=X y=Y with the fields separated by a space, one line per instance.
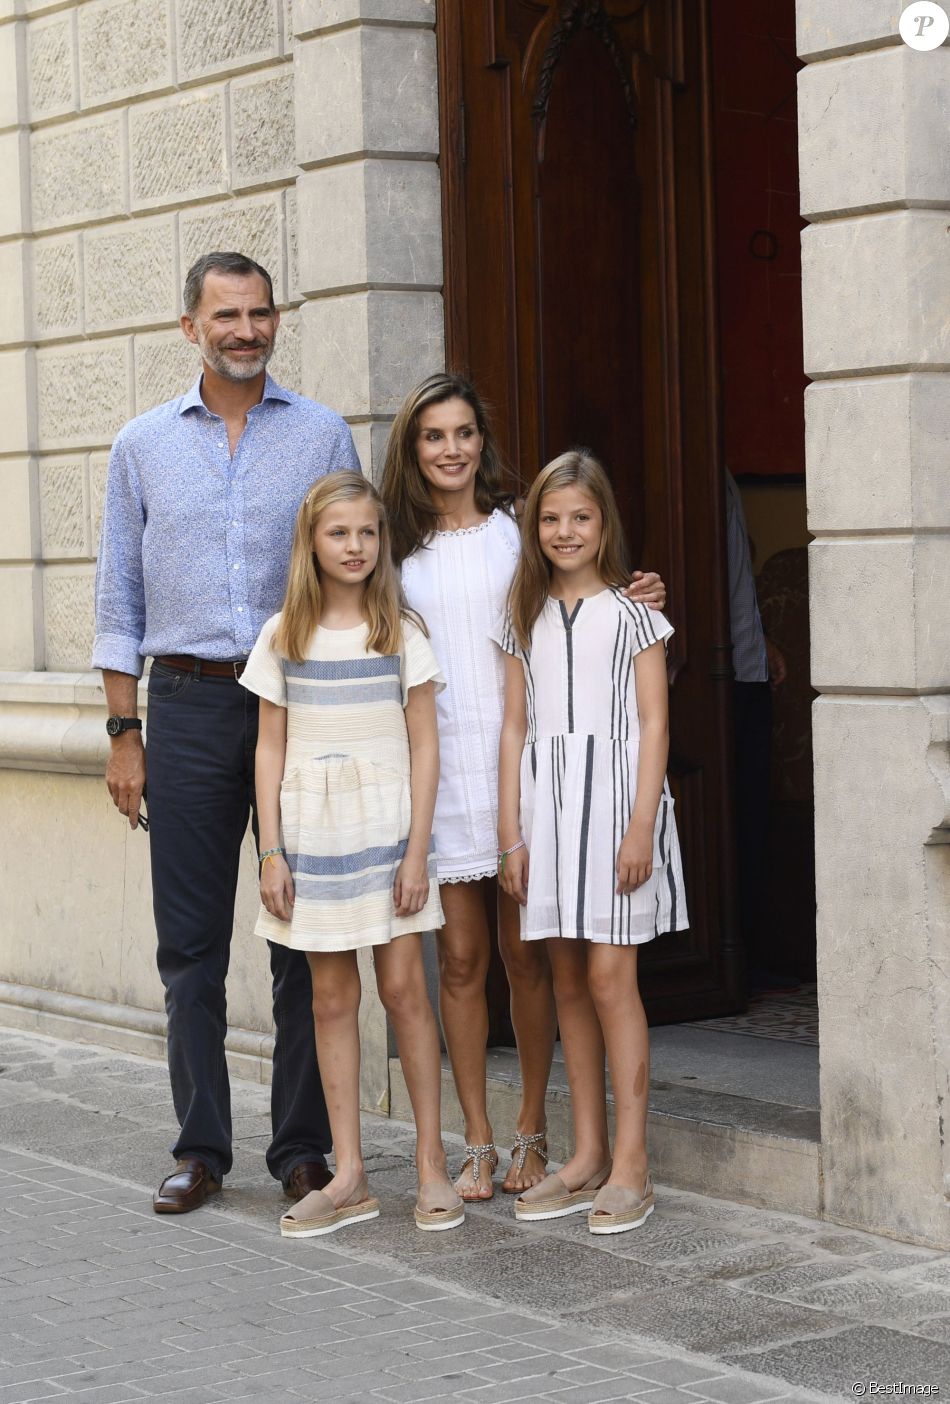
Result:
x=103 y=1301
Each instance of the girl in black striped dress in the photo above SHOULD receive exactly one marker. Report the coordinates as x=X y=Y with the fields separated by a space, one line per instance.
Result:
x=587 y=838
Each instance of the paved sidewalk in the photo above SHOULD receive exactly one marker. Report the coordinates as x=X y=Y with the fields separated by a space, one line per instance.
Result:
x=103 y=1301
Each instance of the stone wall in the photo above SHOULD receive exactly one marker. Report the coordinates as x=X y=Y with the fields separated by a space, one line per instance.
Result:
x=875 y=184
x=140 y=132
x=134 y=135
x=370 y=261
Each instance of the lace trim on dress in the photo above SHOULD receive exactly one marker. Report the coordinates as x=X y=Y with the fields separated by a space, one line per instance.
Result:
x=497 y=516
x=471 y=877
x=468 y=531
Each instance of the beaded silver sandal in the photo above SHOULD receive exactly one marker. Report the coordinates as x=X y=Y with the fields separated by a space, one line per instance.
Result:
x=536 y=1142
x=474 y=1155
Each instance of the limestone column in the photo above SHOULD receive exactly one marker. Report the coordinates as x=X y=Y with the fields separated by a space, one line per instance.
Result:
x=875 y=184
x=21 y=619
x=369 y=214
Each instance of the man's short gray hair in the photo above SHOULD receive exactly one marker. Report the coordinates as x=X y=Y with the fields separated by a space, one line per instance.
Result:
x=235 y=263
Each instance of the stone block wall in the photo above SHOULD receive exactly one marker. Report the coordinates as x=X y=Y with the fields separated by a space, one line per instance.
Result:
x=140 y=133
x=875 y=183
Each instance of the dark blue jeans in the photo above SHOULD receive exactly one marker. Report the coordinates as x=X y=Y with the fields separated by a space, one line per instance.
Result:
x=200 y=771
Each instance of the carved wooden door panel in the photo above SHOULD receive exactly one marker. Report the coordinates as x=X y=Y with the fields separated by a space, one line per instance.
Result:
x=578 y=234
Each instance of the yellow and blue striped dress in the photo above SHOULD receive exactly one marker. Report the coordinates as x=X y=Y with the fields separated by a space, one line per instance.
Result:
x=345 y=799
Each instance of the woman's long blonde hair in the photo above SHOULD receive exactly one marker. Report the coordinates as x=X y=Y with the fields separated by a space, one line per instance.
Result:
x=406 y=492
x=532 y=581
x=383 y=605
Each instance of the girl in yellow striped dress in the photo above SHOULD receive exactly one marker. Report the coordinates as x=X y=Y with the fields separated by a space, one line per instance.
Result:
x=347 y=768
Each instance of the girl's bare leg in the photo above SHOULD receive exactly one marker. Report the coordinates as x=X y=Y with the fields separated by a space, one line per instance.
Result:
x=613 y=987
x=583 y=1045
x=463 y=945
x=402 y=988
x=336 y=1003
x=535 y=1024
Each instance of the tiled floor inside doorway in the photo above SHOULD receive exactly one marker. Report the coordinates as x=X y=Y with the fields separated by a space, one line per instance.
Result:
x=790 y=1016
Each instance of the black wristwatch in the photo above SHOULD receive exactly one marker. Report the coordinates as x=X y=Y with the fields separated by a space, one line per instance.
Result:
x=116 y=725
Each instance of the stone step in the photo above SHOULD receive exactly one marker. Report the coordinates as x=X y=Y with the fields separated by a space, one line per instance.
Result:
x=744 y=1148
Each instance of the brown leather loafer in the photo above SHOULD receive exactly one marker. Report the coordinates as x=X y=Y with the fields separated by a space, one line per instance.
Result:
x=185 y=1189
x=306 y=1177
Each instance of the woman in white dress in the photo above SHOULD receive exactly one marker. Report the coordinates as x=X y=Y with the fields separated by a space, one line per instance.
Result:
x=451 y=506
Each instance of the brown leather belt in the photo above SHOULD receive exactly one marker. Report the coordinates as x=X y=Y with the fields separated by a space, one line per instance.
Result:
x=203 y=667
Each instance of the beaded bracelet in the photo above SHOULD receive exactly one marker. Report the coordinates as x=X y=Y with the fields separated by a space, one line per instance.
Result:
x=505 y=853
x=270 y=853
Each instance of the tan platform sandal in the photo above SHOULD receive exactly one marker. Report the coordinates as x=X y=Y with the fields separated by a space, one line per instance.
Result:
x=474 y=1155
x=536 y=1143
x=438 y=1207
x=617 y=1210
x=551 y=1199
x=316 y=1213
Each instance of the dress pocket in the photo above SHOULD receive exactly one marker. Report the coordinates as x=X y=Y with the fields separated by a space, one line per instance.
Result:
x=664 y=832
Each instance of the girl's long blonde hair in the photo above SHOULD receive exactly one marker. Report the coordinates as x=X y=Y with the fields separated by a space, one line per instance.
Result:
x=404 y=489
x=532 y=581
x=383 y=606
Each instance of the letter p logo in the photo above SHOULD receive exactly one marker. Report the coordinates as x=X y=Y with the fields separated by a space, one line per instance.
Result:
x=924 y=25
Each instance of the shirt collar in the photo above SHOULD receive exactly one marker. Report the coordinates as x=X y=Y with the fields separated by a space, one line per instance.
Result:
x=192 y=398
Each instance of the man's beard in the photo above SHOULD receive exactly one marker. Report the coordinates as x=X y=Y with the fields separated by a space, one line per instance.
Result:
x=244 y=369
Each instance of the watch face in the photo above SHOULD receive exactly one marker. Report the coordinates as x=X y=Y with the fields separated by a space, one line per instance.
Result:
x=114 y=726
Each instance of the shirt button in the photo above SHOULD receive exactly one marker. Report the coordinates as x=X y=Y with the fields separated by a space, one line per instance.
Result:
x=236 y=566
x=234 y=523
x=240 y=609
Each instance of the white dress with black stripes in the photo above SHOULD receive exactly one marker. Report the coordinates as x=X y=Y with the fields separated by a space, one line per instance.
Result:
x=579 y=776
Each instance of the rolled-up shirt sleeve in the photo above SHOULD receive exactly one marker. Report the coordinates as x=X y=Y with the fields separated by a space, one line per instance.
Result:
x=120 y=590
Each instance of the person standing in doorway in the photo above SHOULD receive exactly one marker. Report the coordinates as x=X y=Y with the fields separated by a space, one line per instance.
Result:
x=202 y=496
x=758 y=666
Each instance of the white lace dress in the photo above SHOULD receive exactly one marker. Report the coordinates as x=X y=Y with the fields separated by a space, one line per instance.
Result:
x=459 y=584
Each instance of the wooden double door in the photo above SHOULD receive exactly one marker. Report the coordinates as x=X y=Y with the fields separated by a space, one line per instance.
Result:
x=578 y=223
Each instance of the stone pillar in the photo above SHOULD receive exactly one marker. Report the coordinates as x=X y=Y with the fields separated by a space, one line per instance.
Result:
x=875 y=184
x=21 y=619
x=369 y=213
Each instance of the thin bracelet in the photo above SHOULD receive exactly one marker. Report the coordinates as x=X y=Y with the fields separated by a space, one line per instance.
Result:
x=505 y=853
x=270 y=853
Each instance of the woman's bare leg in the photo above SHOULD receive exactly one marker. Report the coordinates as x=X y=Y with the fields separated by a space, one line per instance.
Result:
x=336 y=1003
x=613 y=987
x=463 y=945
x=400 y=980
x=583 y=1045
x=534 y=1021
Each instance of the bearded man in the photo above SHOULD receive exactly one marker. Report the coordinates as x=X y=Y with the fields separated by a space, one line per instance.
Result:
x=200 y=507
